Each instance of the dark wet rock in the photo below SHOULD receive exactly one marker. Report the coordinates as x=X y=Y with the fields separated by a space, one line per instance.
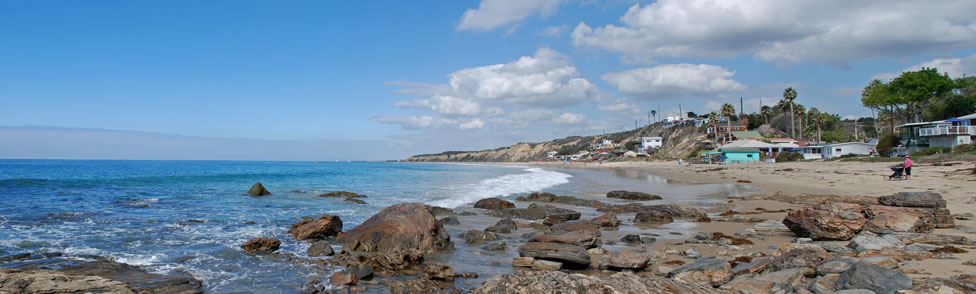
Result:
x=493 y=204
x=258 y=190
x=503 y=226
x=500 y=246
x=403 y=226
x=362 y=272
x=451 y=220
x=437 y=210
x=438 y=271
x=629 y=258
x=676 y=211
x=419 y=286
x=261 y=245
x=553 y=198
x=397 y=259
x=320 y=248
x=576 y=226
x=467 y=213
x=313 y=229
x=606 y=220
x=533 y=212
x=14 y=257
x=586 y=239
x=346 y=194
x=829 y=221
x=478 y=237
x=561 y=252
x=784 y=281
x=648 y=240
x=560 y=282
x=708 y=270
x=354 y=200
x=863 y=275
x=98 y=276
x=628 y=195
x=631 y=239
x=809 y=256
x=653 y=216
x=343 y=278
x=562 y=217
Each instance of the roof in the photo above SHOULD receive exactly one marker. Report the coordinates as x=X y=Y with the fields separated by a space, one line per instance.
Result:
x=852 y=143
x=919 y=123
x=740 y=150
x=747 y=134
x=969 y=116
x=748 y=144
x=781 y=140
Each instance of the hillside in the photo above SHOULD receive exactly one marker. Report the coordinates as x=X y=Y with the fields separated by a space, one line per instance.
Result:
x=678 y=142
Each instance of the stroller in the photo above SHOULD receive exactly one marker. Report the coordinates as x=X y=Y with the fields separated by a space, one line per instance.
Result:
x=897 y=175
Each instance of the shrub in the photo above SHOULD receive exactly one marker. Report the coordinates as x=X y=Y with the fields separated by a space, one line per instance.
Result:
x=886 y=144
x=934 y=150
x=789 y=156
x=964 y=148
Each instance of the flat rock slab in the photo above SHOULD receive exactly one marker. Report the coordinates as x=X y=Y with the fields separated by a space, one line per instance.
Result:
x=864 y=275
x=559 y=282
x=708 y=270
x=628 y=195
x=561 y=252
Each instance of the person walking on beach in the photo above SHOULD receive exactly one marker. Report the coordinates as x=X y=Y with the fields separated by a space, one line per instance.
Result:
x=908 y=168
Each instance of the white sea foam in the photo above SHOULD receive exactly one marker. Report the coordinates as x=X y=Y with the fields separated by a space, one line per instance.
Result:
x=535 y=179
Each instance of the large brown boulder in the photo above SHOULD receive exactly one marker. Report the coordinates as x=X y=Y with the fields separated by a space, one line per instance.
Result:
x=562 y=252
x=261 y=245
x=310 y=229
x=587 y=239
x=101 y=275
x=628 y=195
x=653 y=216
x=887 y=219
x=529 y=282
x=828 y=221
x=708 y=270
x=405 y=226
x=925 y=201
x=493 y=203
x=258 y=190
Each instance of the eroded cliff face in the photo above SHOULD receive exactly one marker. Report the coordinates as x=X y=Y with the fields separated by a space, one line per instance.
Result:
x=678 y=142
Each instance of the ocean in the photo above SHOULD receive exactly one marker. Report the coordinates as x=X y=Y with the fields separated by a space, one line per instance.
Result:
x=192 y=216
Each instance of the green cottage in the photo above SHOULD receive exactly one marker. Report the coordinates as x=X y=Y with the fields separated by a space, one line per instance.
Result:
x=740 y=154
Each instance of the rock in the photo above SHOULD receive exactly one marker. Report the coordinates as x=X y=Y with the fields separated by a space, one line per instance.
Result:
x=676 y=211
x=691 y=253
x=451 y=220
x=585 y=239
x=478 y=237
x=437 y=210
x=627 y=195
x=888 y=219
x=342 y=279
x=533 y=212
x=313 y=229
x=401 y=226
x=927 y=201
x=964 y=216
x=936 y=239
x=829 y=221
x=801 y=257
x=752 y=267
x=493 y=204
x=565 y=253
x=855 y=291
x=882 y=261
x=631 y=239
x=559 y=282
x=421 y=285
x=546 y=265
x=320 y=248
x=576 y=226
x=503 y=226
x=653 y=216
x=261 y=245
x=522 y=261
x=500 y=246
x=552 y=198
x=258 y=190
x=869 y=241
x=628 y=258
x=921 y=247
x=834 y=248
x=863 y=275
x=438 y=271
x=835 y=266
x=559 y=218
x=14 y=257
x=354 y=200
x=784 y=281
x=57 y=275
x=606 y=220
x=770 y=225
x=824 y=284
x=346 y=194
x=708 y=270
x=363 y=272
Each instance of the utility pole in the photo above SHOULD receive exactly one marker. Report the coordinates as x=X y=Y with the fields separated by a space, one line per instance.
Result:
x=679 y=111
x=740 y=107
x=648 y=117
x=855 y=129
x=635 y=125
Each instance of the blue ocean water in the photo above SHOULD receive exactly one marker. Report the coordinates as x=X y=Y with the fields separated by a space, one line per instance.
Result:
x=192 y=216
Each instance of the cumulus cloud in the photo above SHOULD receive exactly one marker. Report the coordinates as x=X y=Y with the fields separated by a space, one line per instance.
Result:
x=473 y=124
x=407 y=122
x=954 y=67
x=554 y=31
x=569 y=118
x=492 y=14
x=675 y=80
x=545 y=79
x=533 y=114
x=619 y=105
x=832 y=31
x=444 y=105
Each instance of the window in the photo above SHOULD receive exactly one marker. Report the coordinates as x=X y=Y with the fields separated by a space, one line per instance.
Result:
x=837 y=150
x=749 y=155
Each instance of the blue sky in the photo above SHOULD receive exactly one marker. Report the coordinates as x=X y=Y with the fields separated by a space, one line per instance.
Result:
x=387 y=79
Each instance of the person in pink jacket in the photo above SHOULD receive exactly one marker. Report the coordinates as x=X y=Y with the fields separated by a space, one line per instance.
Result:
x=908 y=168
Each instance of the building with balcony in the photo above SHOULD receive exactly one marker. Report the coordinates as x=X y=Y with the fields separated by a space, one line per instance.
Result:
x=948 y=133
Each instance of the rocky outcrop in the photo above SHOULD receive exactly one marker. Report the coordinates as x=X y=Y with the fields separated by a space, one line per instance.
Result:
x=419 y=286
x=320 y=248
x=528 y=282
x=800 y=257
x=258 y=190
x=553 y=198
x=607 y=220
x=653 y=216
x=438 y=271
x=577 y=226
x=403 y=226
x=887 y=219
x=261 y=245
x=493 y=203
x=628 y=195
x=585 y=239
x=50 y=281
x=346 y=194
x=478 y=237
x=708 y=270
x=864 y=275
x=628 y=258
x=927 y=202
x=320 y=228
x=562 y=217
x=675 y=210
x=533 y=212
x=561 y=252
x=784 y=281
x=98 y=276
x=503 y=226
x=828 y=221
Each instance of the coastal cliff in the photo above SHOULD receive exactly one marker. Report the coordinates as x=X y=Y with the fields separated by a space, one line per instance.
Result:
x=678 y=142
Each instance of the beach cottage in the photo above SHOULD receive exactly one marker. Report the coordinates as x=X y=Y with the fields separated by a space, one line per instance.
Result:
x=848 y=148
x=740 y=154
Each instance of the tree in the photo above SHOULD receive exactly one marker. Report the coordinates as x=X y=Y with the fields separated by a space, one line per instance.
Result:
x=728 y=110
x=918 y=87
x=817 y=119
x=800 y=111
x=765 y=110
x=691 y=114
x=789 y=95
x=880 y=96
x=654 y=113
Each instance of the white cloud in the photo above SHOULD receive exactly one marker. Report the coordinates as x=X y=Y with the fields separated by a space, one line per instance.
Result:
x=831 y=31
x=494 y=111
x=675 y=80
x=473 y=124
x=619 y=105
x=444 y=105
x=569 y=118
x=407 y=122
x=533 y=114
x=545 y=79
x=554 y=31
x=955 y=67
x=492 y=14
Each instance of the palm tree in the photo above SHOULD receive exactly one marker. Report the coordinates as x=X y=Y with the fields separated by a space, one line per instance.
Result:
x=819 y=121
x=800 y=111
x=728 y=110
x=814 y=116
x=789 y=95
x=765 y=110
x=654 y=113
